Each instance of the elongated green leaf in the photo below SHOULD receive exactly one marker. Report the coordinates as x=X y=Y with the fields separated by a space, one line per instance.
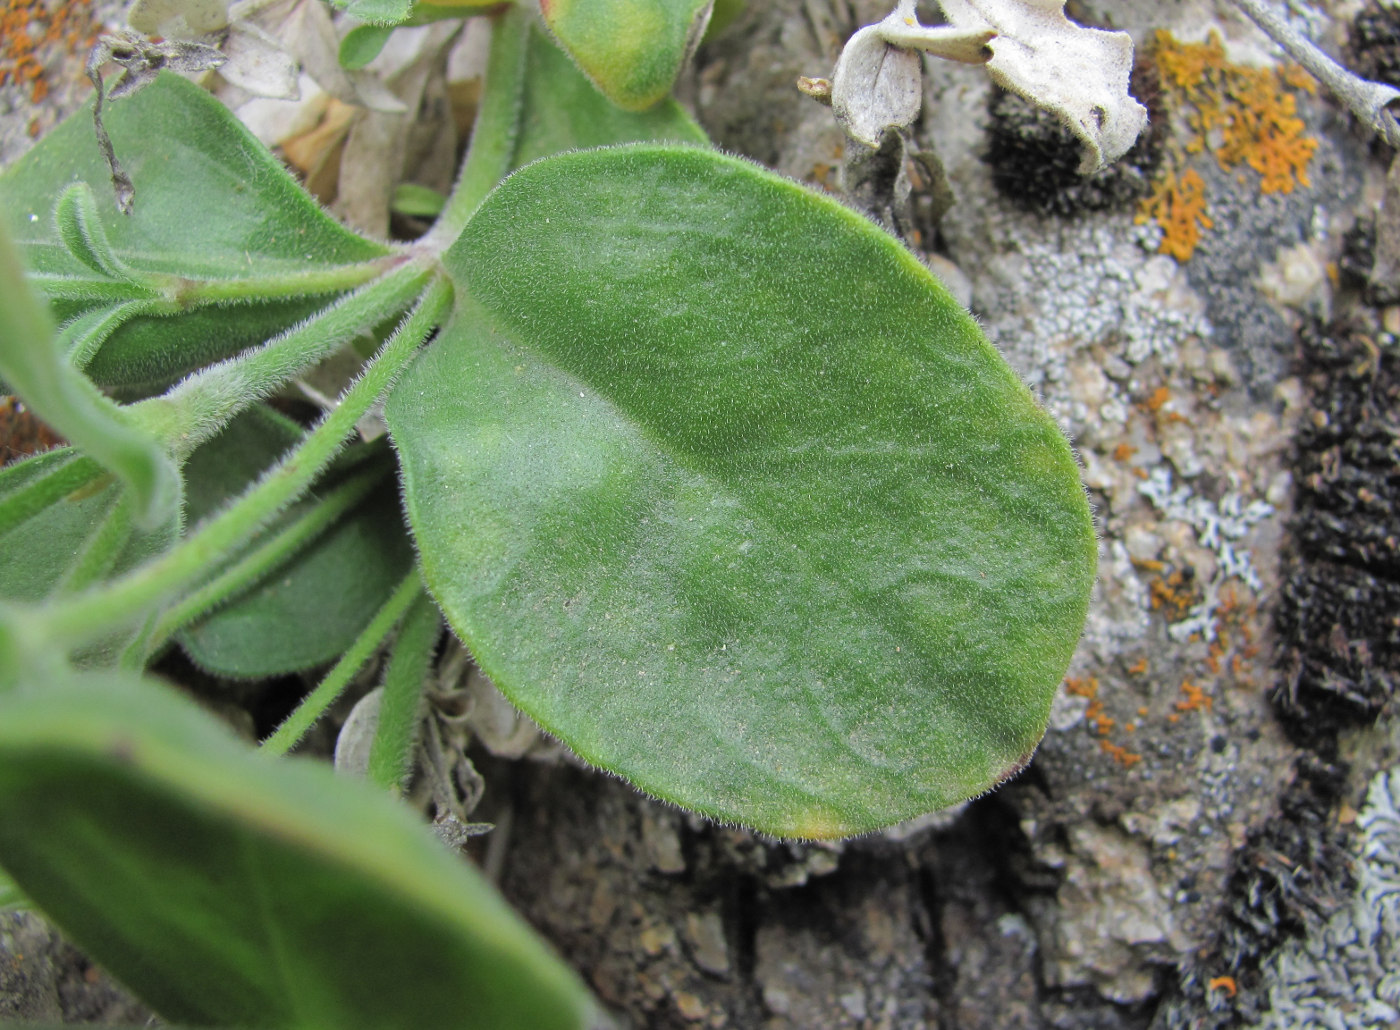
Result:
x=631 y=49
x=309 y=609
x=146 y=354
x=227 y=889
x=211 y=201
x=562 y=111
x=722 y=488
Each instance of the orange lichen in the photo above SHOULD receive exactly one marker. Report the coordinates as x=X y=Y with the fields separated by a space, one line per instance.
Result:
x=1195 y=700
x=1178 y=205
x=1172 y=595
x=28 y=27
x=1123 y=452
x=1120 y=754
x=1243 y=115
x=1101 y=723
x=1223 y=983
x=1137 y=669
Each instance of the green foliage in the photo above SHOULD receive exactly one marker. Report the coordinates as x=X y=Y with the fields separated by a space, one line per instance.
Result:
x=632 y=50
x=712 y=476
x=708 y=427
x=230 y=890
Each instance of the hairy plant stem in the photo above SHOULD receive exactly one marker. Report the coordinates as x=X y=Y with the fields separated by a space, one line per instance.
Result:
x=200 y=406
x=69 y=622
x=401 y=705
x=492 y=147
x=314 y=705
x=252 y=566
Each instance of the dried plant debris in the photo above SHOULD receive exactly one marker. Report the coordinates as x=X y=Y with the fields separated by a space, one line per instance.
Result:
x=1035 y=162
x=140 y=60
x=1029 y=47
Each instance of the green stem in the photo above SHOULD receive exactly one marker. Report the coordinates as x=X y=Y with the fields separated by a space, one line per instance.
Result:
x=401 y=707
x=64 y=398
x=314 y=705
x=199 y=407
x=492 y=148
x=189 y=293
x=69 y=622
x=253 y=566
x=98 y=291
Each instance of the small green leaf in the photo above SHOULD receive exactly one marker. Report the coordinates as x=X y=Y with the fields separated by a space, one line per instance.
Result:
x=412 y=199
x=362 y=44
x=562 y=111
x=144 y=354
x=401 y=702
x=227 y=889
x=79 y=227
x=722 y=489
x=312 y=607
x=631 y=49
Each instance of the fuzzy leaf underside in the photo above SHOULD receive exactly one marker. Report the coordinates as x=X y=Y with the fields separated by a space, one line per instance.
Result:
x=724 y=490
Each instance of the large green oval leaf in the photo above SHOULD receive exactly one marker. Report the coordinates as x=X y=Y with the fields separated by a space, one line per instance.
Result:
x=723 y=489
x=631 y=49
x=229 y=889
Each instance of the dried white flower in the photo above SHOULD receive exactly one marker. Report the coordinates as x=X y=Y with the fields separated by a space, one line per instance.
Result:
x=1028 y=47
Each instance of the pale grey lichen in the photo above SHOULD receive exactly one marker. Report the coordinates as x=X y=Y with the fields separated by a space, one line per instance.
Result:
x=1345 y=973
x=1219 y=528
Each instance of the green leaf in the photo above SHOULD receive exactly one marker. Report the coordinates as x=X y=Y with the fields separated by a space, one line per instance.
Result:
x=212 y=204
x=387 y=13
x=227 y=889
x=562 y=111
x=362 y=44
x=211 y=201
x=146 y=354
x=413 y=199
x=50 y=506
x=724 y=490
x=311 y=608
x=631 y=49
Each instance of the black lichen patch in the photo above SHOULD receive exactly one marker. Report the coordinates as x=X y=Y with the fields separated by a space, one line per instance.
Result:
x=1286 y=878
x=1340 y=609
x=1035 y=159
x=1375 y=44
